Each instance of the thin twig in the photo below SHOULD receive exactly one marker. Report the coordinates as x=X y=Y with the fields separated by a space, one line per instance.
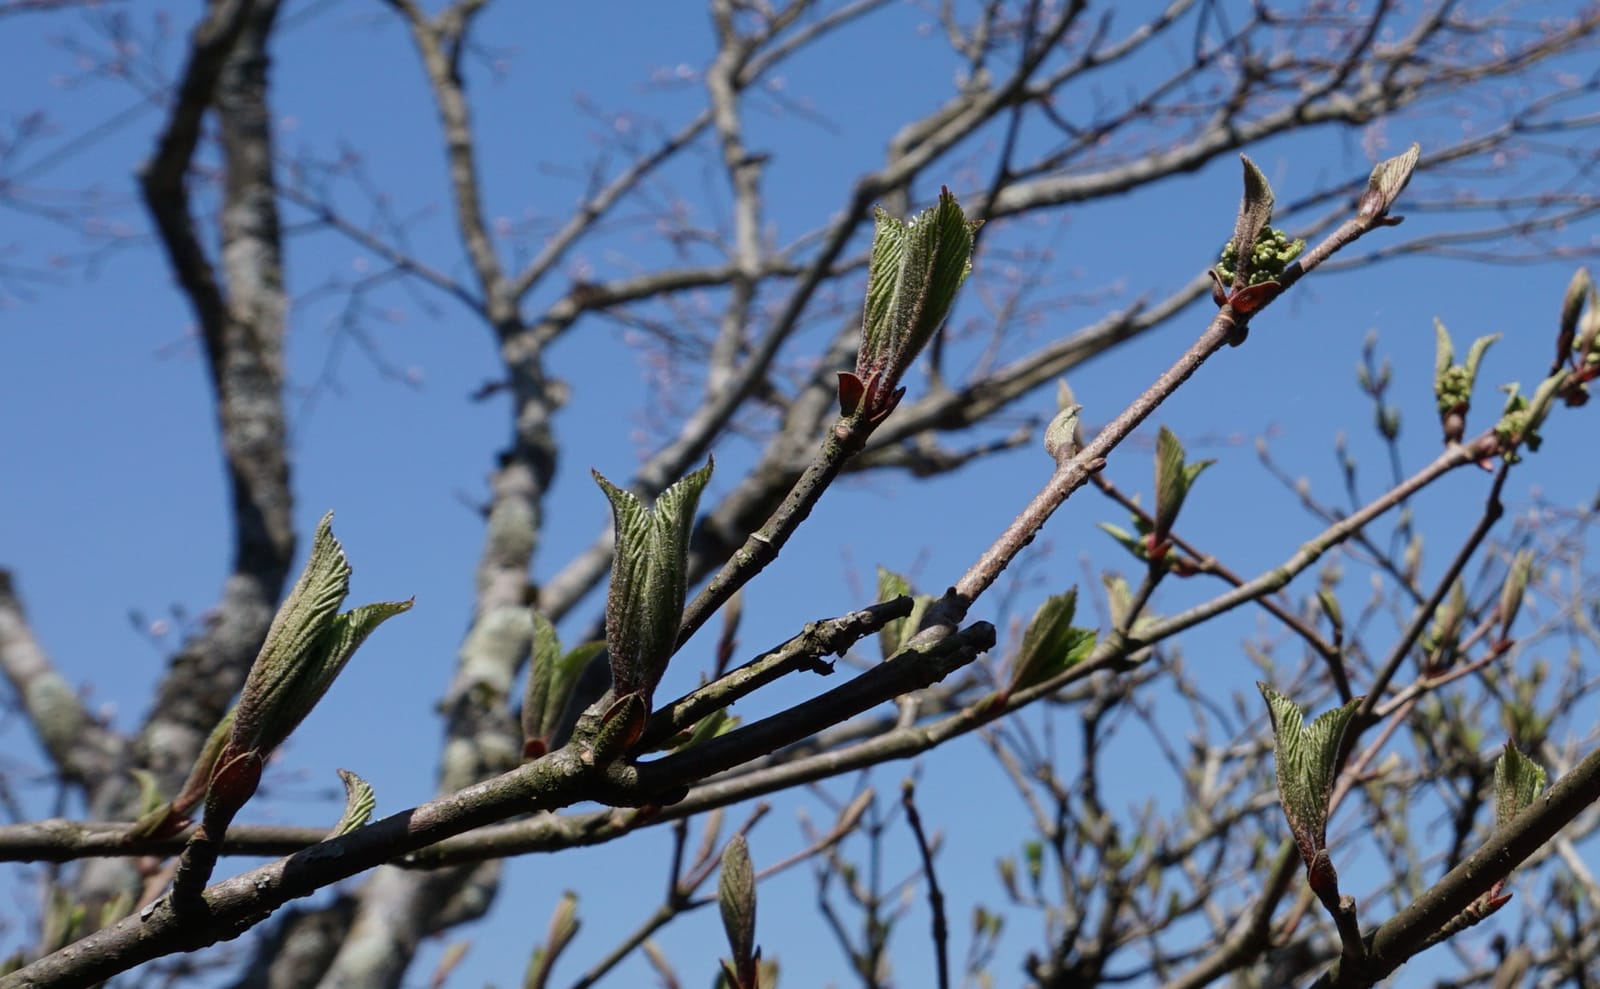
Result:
x=940 y=928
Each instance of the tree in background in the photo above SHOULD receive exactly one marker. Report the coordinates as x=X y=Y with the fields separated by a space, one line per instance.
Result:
x=1448 y=685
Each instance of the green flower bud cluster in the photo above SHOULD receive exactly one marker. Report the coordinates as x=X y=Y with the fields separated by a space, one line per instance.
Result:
x=1452 y=382
x=1520 y=419
x=1453 y=388
x=1513 y=425
x=1273 y=252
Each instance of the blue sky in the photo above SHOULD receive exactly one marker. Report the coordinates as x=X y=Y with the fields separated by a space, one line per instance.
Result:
x=112 y=497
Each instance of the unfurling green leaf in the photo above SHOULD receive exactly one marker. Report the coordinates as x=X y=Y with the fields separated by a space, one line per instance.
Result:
x=913 y=273
x=1051 y=644
x=717 y=723
x=344 y=636
x=359 y=803
x=883 y=281
x=890 y=586
x=1257 y=253
x=307 y=646
x=1174 y=478
x=1520 y=419
x=169 y=819
x=551 y=677
x=736 y=897
x=1135 y=544
x=1518 y=781
x=564 y=926
x=1307 y=760
x=649 y=579
x=543 y=653
x=1255 y=212
x=302 y=620
x=1386 y=183
x=895 y=634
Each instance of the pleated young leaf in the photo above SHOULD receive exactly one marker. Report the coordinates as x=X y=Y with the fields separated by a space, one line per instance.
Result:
x=883 y=279
x=1255 y=212
x=711 y=726
x=736 y=897
x=1050 y=644
x=359 y=803
x=307 y=646
x=1518 y=781
x=1136 y=545
x=1174 y=478
x=649 y=580
x=1386 y=183
x=890 y=586
x=170 y=818
x=551 y=677
x=895 y=634
x=1307 y=761
x=344 y=636
x=567 y=671
x=303 y=618
x=543 y=654
x=914 y=271
x=936 y=259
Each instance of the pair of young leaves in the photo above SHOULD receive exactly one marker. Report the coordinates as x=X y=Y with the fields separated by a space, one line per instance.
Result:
x=307 y=646
x=1308 y=759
